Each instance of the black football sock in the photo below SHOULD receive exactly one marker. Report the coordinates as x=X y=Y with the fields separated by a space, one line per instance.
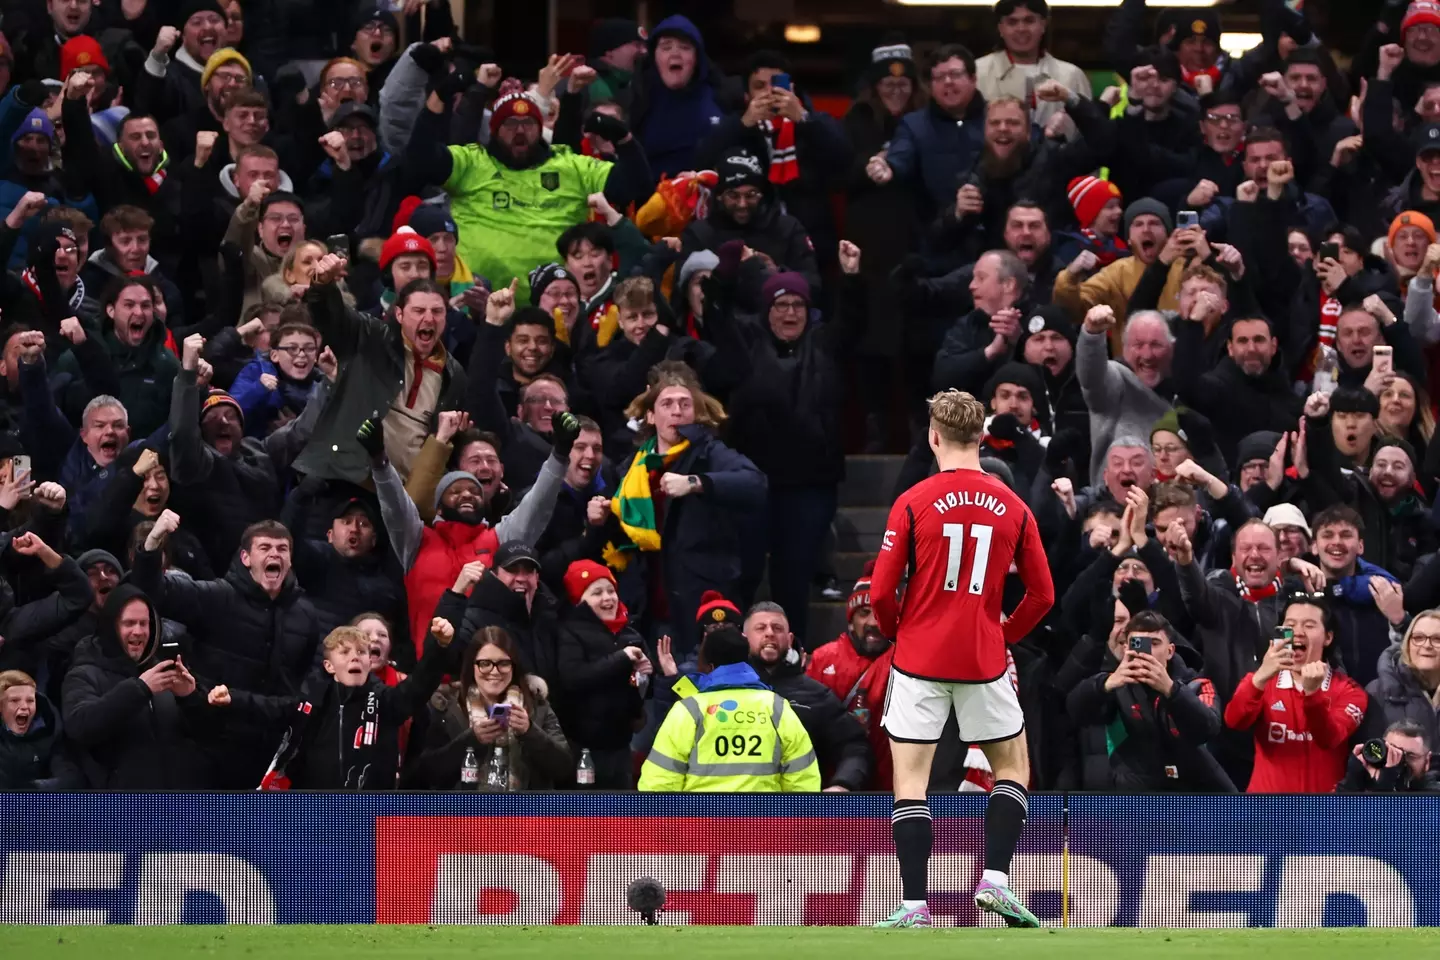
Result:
x=1004 y=819
x=910 y=822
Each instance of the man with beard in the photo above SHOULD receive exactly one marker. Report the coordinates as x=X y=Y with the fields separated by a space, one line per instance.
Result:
x=1148 y=233
x=1124 y=398
x=747 y=208
x=227 y=78
x=856 y=667
x=141 y=367
x=139 y=490
x=841 y=743
x=265 y=225
x=131 y=735
x=433 y=556
x=126 y=253
x=1027 y=235
x=351 y=572
x=255 y=633
x=1248 y=390
x=215 y=470
x=172 y=85
x=511 y=197
x=1047 y=341
x=456 y=446
x=1302 y=96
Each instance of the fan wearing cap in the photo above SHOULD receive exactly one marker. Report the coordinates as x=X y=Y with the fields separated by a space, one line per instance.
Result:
x=807 y=148
x=616 y=46
x=746 y=208
x=512 y=196
x=362 y=180
x=375 y=42
x=1148 y=229
x=1047 y=343
x=433 y=222
x=1023 y=57
x=1012 y=433
x=174 y=74
x=602 y=671
x=556 y=291
x=1100 y=211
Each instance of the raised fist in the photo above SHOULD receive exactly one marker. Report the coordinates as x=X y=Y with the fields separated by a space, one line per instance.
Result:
x=190 y=351
x=849 y=255
x=204 y=146
x=1248 y=192
x=443 y=631
x=329 y=269
x=73 y=330
x=165 y=41
x=1391 y=56
x=333 y=143
x=1099 y=319
x=1052 y=91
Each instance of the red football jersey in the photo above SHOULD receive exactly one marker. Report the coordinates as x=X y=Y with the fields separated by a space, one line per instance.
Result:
x=958 y=533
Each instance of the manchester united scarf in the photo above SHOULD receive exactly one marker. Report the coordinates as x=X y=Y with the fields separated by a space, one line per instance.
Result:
x=634 y=506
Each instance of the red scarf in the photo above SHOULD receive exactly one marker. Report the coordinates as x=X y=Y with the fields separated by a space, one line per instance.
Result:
x=423 y=364
x=1330 y=310
x=784 y=162
x=155 y=181
x=1106 y=251
x=997 y=444
x=621 y=621
x=1256 y=594
x=1212 y=72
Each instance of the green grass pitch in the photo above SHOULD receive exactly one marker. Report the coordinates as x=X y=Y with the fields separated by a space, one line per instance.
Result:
x=704 y=943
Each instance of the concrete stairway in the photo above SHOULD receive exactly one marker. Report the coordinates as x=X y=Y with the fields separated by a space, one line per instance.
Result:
x=865 y=499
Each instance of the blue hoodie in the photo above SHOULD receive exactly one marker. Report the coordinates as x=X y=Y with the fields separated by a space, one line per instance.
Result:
x=732 y=676
x=1356 y=587
x=677 y=120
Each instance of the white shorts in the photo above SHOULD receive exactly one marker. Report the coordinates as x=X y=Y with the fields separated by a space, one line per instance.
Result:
x=916 y=710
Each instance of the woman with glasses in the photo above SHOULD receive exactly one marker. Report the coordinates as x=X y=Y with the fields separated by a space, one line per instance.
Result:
x=499 y=712
x=1408 y=685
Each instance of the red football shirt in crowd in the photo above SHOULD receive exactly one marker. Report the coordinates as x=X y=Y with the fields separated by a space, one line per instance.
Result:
x=958 y=532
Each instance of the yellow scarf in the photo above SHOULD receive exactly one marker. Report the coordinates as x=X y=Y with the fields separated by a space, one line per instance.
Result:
x=634 y=506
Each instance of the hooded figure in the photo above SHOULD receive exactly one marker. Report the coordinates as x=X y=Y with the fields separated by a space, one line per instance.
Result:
x=672 y=122
x=128 y=737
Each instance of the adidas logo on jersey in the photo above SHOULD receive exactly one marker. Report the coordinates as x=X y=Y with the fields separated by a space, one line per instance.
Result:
x=1278 y=705
x=829 y=671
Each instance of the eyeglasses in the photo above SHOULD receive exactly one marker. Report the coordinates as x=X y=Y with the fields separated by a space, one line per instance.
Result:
x=789 y=306
x=744 y=196
x=1134 y=566
x=946 y=75
x=374 y=26
x=1431 y=640
x=1168 y=450
x=515 y=123
x=289 y=220
x=485 y=666
x=557 y=402
x=342 y=83
x=297 y=350
x=1225 y=119
x=230 y=79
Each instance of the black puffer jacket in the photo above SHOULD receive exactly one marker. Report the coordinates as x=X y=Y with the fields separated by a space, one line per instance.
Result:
x=31 y=628
x=597 y=704
x=841 y=744
x=492 y=604
x=37 y=759
x=770 y=231
x=256 y=646
x=127 y=738
x=1395 y=695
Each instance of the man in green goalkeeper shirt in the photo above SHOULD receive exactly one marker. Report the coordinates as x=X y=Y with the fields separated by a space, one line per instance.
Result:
x=512 y=197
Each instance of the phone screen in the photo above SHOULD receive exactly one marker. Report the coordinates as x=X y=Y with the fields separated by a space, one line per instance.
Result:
x=500 y=713
x=1384 y=360
x=1329 y=251
x=781 y=81
x=1187 y=218
x=339 y=244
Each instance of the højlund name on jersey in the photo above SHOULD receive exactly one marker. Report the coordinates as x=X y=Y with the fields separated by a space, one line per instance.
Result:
x=967 y=498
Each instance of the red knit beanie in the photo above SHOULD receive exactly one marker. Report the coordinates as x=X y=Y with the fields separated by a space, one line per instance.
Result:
x=580 y=574
x=1088 y=195
x=403 y=241
x=513 y=105
x=860 y=594
x=714 y=608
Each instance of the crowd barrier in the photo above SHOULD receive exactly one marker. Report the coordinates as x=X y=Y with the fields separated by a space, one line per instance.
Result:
x=1149 y=861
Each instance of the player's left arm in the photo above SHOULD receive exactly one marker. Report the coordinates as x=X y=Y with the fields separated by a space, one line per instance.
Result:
x=1034 y=569
x=890 y=567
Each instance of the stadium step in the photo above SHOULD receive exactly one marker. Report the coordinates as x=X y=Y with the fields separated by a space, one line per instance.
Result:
x=860 y=528
x=869 y=480
x=827 y=621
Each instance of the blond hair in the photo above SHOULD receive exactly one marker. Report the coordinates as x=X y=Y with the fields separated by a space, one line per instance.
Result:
x=15 y=678
x=636 y=293
x=957 y=416
x=1404 y=648
x=1206 y=273
x=709 y=412
x=342 y=638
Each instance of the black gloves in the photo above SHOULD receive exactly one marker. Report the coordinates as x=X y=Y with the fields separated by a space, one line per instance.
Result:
x=1005 y=426
x=564 y=430
x=33 y=94
x=429 y=59
x=605 y=126
x=1063 y=446
x=729 y=253
x=1199 y=435
x=1132 y=594
x=371 y=436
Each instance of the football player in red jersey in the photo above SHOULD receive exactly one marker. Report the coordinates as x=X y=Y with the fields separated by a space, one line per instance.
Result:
x=958 y=534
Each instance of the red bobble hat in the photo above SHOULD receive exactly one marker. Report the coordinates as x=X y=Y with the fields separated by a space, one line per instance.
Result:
x=1421 y=11
x=82 y=51
x=714 y=608
x=405 y=241
x=580 y=574
x=514 y=105
x=860 y=593
x=1088 y=195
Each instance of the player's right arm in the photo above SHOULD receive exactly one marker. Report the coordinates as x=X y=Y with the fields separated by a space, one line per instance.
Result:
x=1034 y=570
x=890 y=568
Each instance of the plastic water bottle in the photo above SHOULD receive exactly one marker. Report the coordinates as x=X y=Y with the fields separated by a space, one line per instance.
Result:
x=470 y=771
x=497 y=771
x=1327 y=371
x=585 y=772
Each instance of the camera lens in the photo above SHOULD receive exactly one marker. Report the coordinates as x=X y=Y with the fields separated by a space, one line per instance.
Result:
x=1374 y=752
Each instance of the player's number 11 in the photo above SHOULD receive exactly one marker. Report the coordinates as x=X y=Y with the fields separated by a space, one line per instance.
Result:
x=955 y=534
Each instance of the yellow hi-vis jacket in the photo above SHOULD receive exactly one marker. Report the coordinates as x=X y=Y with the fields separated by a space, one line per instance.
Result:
x=731 y=741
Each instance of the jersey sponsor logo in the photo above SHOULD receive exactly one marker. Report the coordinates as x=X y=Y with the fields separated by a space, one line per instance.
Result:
x=1278 y=706
x=1279 y=733
x=967 y=498
x=1354 y=713
x=550 y=180
x=500 y=201
x=887 y=542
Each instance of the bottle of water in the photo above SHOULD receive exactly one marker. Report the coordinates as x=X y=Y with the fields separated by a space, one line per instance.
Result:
x=470 y=771
x=1327 y=371
x=497 y=771
x=585 y=771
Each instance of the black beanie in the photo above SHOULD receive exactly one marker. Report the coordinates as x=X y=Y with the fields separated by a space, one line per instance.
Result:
x=192 y=7
x=1020 y=374
x=1256 y=446
x=614 y=32
x=741 y=168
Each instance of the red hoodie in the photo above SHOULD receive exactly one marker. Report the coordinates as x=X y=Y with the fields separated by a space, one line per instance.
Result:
x=1301 y=743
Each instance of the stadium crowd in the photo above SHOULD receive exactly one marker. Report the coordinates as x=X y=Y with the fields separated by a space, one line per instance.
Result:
x=371 y=419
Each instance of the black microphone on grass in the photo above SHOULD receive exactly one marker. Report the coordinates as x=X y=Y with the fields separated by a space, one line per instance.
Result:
x=646 y=897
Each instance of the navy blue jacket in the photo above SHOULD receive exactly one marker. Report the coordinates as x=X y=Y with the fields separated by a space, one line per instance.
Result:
x=933 y=150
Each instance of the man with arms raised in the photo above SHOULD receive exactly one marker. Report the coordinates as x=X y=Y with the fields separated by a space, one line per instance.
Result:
x=959 y=532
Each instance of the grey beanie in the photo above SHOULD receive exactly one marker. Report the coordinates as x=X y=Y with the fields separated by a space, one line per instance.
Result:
x=454 y=476
x=697 y=261
x=1148 y=205
x=89 y=558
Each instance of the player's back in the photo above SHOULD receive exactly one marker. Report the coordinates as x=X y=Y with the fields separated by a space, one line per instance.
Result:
x=959 y=531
